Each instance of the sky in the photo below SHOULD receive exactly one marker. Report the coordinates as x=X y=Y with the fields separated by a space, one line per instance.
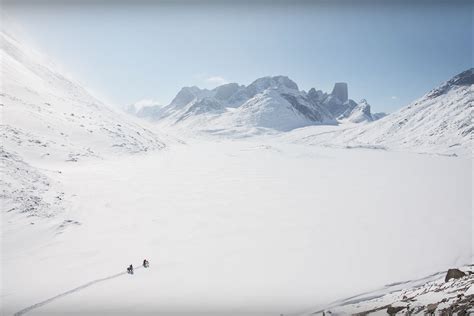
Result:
x=389 y=52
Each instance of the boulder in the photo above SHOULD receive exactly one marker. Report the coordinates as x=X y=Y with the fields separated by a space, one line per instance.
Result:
x=454 y=274
x=431 y=308
x=392 y=310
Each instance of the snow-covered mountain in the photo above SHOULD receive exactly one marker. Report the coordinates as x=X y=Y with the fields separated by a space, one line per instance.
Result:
x=273 y=103
x=46 y=117
x=438 y=122
x=358 y=114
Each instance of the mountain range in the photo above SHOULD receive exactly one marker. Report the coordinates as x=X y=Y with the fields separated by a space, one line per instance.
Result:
x=438 y=122
x=267 y=103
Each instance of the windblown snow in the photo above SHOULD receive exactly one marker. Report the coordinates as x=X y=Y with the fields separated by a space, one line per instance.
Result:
x=276 y=223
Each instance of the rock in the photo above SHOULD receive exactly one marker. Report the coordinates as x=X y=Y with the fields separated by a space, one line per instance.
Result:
x=392 y=310
x=454 y=274
x=431 y=308
x=340 y=91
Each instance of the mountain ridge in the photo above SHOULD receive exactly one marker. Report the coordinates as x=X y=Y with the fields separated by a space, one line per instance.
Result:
x=263 y=103
x=438 y=122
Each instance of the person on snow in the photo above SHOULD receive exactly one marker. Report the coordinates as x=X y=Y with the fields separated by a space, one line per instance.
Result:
x=146 y=264
x=130 y=269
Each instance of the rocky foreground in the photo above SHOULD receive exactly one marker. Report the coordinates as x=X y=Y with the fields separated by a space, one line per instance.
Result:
x=444 y=293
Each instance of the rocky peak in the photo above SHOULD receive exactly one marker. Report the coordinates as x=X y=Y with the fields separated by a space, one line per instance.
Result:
x=314 y=94
x=340 y=91
x=360 y=113
x=225 y=91
x=186 y=95
x=465 y=78
x=276 y=82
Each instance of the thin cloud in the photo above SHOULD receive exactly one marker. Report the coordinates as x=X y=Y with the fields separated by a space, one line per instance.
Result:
x=146 y=102
x=216 y=80
x=394 y=97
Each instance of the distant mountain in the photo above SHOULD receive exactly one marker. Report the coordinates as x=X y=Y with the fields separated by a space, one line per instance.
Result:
x=378 y=115
x=359 y=114
x=438 y=122
x=274 y=103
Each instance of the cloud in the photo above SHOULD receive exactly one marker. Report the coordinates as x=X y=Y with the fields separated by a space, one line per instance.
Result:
x=146 y=102
x=394 y=97
x=216 y=80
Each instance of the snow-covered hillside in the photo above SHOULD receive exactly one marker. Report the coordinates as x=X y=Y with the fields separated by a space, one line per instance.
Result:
x=439 y=122
x=46 y=116
x=437 y=294
x=268 y=103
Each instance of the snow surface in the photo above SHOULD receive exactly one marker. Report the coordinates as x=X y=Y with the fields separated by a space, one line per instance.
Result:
x=242 y=227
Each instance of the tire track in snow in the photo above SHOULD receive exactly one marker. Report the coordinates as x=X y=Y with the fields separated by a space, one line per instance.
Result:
x=74 y=290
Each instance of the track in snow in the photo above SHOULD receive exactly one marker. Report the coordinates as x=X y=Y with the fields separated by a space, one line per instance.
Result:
x=49 y=300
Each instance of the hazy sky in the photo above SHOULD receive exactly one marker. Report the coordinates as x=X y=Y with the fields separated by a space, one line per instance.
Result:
x=389 y=52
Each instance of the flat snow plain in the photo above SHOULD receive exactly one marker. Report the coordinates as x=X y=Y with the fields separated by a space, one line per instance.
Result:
x=238 y=227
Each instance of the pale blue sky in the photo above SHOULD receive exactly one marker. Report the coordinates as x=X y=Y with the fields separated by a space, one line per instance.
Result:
x=389 y=52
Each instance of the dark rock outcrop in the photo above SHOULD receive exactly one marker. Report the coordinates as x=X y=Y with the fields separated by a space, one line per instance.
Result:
x=340 y=91
x=392 y=310
x=454 y=274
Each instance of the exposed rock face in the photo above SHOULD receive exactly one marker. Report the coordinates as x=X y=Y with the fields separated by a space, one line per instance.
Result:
x=454 y=274
x=314 y=94
x=465 y=78
x=277 y=82
x=303 y=108
x=186 y=95
x=393 y=310
x=359 y=114
x=340 y=91
x=225 y=91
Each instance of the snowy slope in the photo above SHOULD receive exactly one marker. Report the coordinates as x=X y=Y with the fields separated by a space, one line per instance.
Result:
x=46 y=116
x=439 y=122
x=429 y=295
